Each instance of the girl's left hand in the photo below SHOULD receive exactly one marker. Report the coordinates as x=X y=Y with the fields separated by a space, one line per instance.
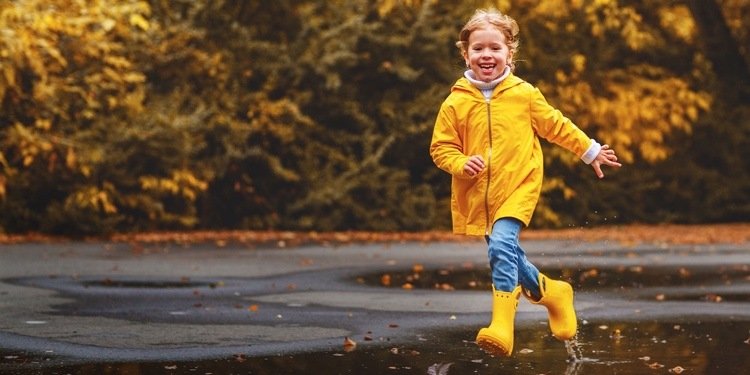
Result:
x=606 y=157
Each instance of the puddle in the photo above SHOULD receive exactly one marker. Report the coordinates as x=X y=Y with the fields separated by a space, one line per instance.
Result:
x=704 y=327
x=618 y=278
x=647 y=347
x=141 y=284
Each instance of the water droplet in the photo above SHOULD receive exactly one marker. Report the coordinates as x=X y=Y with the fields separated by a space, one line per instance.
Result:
x=574 y=350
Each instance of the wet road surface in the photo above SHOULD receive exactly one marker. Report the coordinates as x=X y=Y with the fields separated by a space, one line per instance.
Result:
x=409 y=308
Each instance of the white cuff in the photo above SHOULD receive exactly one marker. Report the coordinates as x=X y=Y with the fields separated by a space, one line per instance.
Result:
x=592 y=152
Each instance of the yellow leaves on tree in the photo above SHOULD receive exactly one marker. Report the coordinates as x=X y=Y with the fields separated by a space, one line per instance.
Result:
x=29 y=143
x=73 y=68
x=182 y=183
x=632 y=109
x=679 y=21
x=93 y=198
x=273 y=121
x=386 y=6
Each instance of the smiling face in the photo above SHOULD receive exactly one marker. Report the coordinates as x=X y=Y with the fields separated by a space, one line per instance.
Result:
x=487 y=53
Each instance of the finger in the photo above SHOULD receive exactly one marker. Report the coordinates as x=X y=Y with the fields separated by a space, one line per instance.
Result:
x=474 y=166
x=598 y=170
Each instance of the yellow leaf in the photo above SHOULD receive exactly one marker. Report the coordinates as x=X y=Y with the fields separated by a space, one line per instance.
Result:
x=139 y=21
x=70 y=158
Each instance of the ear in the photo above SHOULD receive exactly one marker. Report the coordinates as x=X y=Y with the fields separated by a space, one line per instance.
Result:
x=466 y=58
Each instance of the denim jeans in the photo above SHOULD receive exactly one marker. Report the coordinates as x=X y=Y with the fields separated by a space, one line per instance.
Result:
x=508 y=260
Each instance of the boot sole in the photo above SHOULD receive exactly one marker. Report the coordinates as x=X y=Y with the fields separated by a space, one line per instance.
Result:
x=492 y=347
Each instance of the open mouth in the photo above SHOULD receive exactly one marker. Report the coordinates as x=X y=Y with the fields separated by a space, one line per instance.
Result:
x=487 y=68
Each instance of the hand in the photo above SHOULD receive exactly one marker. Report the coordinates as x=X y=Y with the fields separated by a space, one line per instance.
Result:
x=606 y=156
x=474 y=165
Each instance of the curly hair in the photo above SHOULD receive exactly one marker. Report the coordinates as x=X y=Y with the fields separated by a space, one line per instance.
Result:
x=490 y=17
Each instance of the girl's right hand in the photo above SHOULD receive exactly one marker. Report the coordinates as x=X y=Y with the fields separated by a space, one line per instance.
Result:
x=474 y=165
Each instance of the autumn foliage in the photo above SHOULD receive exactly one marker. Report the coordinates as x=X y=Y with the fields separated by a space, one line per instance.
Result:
x=127 y=116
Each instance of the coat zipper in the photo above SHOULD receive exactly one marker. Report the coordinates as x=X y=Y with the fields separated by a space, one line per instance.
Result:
x=487 y=229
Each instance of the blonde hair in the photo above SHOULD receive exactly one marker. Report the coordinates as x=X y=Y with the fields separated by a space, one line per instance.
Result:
x=490 y=17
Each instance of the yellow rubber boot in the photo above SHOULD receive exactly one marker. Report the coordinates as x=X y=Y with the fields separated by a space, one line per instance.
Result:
x=497 y=339
x=557 y=297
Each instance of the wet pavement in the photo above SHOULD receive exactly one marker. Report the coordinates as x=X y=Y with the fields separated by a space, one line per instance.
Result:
x=402 y=308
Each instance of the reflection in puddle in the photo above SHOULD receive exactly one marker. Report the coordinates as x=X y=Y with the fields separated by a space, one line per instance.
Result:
x=695 y=348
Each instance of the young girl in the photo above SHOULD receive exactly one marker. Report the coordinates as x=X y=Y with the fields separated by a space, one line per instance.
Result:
x=487 y=137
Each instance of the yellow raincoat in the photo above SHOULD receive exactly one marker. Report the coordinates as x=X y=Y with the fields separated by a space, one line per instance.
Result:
x=505 y=130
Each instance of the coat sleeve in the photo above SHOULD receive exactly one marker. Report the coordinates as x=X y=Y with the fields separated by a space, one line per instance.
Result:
x=446 y=148
x=550 y=124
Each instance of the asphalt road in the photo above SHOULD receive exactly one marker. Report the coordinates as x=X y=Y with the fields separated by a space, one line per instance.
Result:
x=116 y=302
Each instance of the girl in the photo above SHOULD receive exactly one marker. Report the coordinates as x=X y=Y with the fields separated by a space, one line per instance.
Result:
x=487 y=137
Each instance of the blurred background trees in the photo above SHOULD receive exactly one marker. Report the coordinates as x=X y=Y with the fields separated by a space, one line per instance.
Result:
x=316 y=115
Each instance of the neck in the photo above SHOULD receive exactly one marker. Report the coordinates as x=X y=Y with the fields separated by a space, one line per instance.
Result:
x=482 y=85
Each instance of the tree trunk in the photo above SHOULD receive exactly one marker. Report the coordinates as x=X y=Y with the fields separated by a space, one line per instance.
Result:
x=722 y=50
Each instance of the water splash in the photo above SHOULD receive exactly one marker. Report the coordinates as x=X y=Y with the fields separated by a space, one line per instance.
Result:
x=575 y=355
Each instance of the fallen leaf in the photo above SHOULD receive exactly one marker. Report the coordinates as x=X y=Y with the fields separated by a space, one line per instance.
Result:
x=446 y=286
x=253 y=308
x=616 y=335
x=385 y=280
x=349 y=344
x=407 y=286
x=676 y=370
x=655 y=365
x=660 y=297
x=592 y=273
x=684 y=272
x=713 y=298
x=526 y=351
x=172 y=367
x=417 y=268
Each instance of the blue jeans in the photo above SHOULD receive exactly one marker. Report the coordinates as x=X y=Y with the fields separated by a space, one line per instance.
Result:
x=508 y=261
